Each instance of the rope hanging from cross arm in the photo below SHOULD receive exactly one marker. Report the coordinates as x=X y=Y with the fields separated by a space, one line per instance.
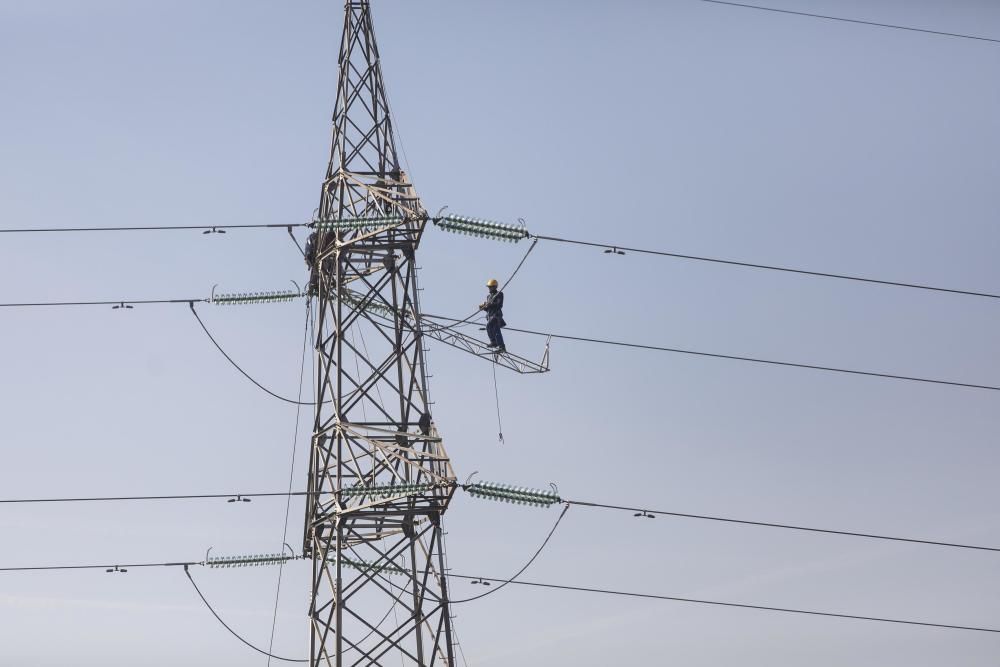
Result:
x=496 y=394
x=291 y=472
x=231 y=631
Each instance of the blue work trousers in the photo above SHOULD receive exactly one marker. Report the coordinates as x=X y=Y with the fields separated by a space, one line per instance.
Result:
x=493 y=331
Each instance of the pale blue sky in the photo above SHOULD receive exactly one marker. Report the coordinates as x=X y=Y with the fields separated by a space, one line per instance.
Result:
x=677 y=125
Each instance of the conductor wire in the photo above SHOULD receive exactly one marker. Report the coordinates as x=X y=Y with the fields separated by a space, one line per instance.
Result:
x=769 y=267
x=237 y=366
x=733 y=357
x=846 y=20
x=458 y=323
x=519 y=572
x=231 y=631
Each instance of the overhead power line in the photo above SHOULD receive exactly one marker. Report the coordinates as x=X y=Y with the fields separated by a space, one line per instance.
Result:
x=223 y=299
x=183 y=496
x=231 y=631
x=521 y=495
x=768 y=267
x=126 y=566
x=238 y=367
x=847 y=20
x=583 y=589
x=717 y=603
x=159 y=228
x=580 y=503
x=582 y=339
x=733 y=357
x=783 y=526
x=120 y=302
x=531 y=560
x=499 y=231
x=610 y=247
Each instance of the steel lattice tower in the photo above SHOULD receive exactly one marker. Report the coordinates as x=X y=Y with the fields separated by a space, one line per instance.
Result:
x=379 y=476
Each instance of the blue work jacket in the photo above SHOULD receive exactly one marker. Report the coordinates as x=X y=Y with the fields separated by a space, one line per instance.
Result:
x=494 y=306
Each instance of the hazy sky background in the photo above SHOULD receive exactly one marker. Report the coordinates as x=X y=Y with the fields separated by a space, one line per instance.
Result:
x=675 y=125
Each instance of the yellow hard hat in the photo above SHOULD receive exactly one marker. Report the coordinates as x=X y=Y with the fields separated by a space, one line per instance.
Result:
x=492 y=282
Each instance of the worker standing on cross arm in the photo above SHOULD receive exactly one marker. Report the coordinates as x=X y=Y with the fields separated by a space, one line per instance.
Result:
x=494 y=315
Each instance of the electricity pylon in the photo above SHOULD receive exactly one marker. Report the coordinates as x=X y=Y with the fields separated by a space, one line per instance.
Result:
x=379 y=476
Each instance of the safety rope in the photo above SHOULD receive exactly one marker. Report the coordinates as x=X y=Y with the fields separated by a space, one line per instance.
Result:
x=291 y=477
x=496 y=394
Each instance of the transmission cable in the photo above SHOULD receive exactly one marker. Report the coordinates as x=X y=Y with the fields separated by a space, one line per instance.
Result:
x=537 y=584
x=124 y=566
x=766 y=524
x=237 y=366
x=509 y=280
x=767 y=267
x=581 y=503
x=438 y=327
x=98 y=303
x=231 y=631
x=190 y=302
x=785 y=610
x=519 y=572
x=846 y=20
x=158 y=228
x=184 y=496
x=733 y=357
